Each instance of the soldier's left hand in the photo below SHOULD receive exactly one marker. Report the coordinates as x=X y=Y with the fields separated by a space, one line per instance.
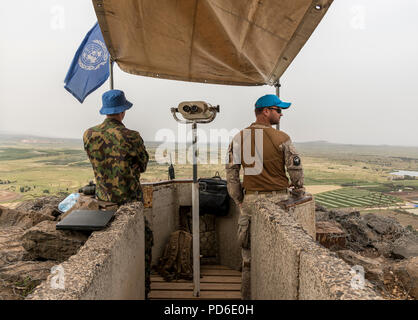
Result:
x=298 y=193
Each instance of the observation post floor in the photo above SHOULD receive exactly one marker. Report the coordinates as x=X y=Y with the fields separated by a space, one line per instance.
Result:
x=217 y=282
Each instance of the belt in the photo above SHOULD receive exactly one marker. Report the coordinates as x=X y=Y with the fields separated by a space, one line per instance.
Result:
x=266 y=192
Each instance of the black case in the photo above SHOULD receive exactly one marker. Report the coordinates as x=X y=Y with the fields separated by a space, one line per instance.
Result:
x=86 y=220
x=213 y=196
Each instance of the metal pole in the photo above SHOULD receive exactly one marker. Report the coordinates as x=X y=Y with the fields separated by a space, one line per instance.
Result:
x=278 y=85
x=110 y=72
x=195 y=219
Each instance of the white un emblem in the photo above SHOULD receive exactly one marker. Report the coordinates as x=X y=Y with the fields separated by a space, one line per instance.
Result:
x=93 y=56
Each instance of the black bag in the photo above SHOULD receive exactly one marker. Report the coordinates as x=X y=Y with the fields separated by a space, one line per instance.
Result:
x=213 y=196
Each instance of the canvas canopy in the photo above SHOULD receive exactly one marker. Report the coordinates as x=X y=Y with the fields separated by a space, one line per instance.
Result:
x=236 y=42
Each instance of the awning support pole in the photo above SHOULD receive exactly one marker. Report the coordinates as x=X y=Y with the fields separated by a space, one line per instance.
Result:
x=278 y=85
x=110 y=72
x=195 y=219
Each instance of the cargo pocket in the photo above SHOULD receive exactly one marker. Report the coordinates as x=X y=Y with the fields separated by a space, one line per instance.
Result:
x=244 y=224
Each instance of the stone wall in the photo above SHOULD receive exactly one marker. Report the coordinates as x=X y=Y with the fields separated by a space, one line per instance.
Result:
x=288 y=264
x=162 y=215
x=110 y=265
x=163 y=201
x=226 y=229
x=304 y=214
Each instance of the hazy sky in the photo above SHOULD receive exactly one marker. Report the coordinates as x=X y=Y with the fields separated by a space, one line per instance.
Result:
x=355 y=81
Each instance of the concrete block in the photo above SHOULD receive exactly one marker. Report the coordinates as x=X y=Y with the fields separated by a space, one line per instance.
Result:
x=226 y=228
x=305 y=215
x=274 y=262
x=164 y=219
x=110 y=265
x=275 y=249
x=330 y=235
x=184 y=194
x=287 y=263
x=323 y=276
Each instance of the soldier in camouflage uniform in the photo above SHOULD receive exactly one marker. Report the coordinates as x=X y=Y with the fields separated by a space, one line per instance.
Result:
x=265 y=175
x=118 y=157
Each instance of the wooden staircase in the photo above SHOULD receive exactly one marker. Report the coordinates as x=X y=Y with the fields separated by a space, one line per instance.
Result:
x=216 y=282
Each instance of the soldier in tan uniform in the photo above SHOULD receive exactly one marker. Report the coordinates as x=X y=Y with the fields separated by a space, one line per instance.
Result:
x=264 y=153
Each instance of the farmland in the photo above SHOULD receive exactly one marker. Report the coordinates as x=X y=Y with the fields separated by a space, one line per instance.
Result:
x=355 y=198
x=339 y=176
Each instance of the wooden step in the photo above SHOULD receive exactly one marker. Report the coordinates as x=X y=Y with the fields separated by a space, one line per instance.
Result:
x=219 y=272
x=213 y=267
x=188 y=295
x=183 y=286
x=211 y=279
x=217 y=282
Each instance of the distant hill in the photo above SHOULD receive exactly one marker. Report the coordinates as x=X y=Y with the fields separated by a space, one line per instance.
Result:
x=323 y=148
x=28 y=140
x=320 y=148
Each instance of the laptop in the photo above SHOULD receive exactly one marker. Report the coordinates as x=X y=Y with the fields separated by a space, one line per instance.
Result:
x=85 y=220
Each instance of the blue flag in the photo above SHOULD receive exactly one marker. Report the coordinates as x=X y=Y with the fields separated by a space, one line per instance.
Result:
x=90 y=66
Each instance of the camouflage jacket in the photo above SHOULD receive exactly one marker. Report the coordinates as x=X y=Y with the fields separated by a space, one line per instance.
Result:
x=118 y=156
x=277 y=154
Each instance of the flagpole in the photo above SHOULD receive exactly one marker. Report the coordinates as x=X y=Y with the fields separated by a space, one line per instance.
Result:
x=278 y=85
x=111 y=72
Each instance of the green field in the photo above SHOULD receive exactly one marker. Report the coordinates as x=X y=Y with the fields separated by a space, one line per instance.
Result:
x=355 y=198
x=32 y=171
x=39 y=172
x=51 y=166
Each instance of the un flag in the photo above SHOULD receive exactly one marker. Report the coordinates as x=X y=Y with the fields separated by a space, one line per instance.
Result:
x=90 y=66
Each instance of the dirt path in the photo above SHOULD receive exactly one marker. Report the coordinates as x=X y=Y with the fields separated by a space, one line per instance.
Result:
x=407 y=196
x=314 y=189
x=11 y=205
x=405 y=219
x=8 y=196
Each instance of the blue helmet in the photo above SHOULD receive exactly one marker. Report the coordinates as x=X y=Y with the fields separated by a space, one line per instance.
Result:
x=114 y=102
x=270 y=100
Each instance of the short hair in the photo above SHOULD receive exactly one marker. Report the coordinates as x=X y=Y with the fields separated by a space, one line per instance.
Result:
x=115 y=114
x=258 y=111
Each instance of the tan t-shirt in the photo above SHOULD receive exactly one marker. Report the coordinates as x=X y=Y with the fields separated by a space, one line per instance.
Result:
x=264 y=153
